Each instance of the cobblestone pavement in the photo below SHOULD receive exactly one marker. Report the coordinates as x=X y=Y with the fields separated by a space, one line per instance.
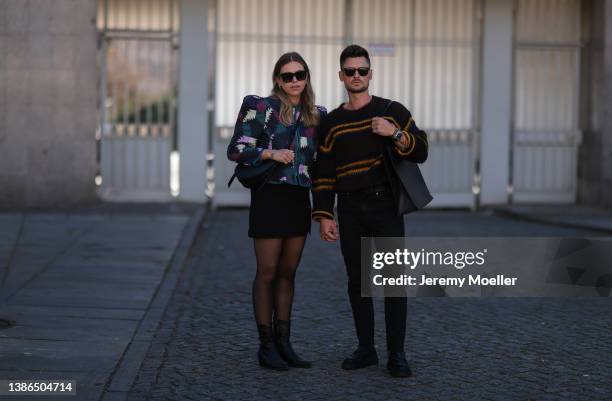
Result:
x=459 y=349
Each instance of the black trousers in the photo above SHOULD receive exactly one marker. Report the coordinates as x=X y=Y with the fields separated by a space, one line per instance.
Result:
x=370 y=214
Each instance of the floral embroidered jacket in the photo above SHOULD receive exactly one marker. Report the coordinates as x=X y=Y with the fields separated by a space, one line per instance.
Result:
x=258 y=127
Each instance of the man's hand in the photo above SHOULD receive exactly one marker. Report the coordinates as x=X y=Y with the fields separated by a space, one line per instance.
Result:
x=328 y=230
x=382 y=127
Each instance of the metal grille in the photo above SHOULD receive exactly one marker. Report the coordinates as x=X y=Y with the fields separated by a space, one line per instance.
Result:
x=546 y=94
x=252 y=35
x=138 y=73
x=424 y=54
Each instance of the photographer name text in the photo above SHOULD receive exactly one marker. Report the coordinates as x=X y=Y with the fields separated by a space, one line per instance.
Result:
x=416 y=259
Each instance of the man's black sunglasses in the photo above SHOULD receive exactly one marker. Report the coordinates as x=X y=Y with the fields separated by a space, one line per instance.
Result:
x=363 y=71
x=288 y=76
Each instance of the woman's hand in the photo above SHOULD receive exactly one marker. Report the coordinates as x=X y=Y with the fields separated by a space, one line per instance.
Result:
x=328 y=230
x=281 y=155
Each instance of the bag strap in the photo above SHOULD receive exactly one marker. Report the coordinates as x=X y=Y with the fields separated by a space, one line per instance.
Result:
x=386 y=108
x=295 y=128
x=389 y=103
x=294 y=133
x=231 y=180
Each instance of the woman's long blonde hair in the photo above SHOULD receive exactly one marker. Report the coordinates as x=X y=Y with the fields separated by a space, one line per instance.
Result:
x=310 y=114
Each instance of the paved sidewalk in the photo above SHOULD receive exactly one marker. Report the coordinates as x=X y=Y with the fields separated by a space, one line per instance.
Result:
x=572 y=216
x=460 y=349
x=84 y=290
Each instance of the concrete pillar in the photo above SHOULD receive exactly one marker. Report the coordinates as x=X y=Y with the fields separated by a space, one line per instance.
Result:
x=607 y=110
x=595 y=153
x=48 y=99
x=193 y=100
x=496 y=101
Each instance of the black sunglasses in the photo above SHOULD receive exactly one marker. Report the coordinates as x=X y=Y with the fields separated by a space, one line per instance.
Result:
x=363 y=71
x=288 y=76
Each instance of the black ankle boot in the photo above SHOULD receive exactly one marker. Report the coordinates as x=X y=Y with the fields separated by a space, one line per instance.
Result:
x=282 y=330
x=268 y=354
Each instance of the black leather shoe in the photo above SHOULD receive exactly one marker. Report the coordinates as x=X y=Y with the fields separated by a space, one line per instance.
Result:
x=282 y=330
x=268 y=355
x=361 y=358
x=397 y=365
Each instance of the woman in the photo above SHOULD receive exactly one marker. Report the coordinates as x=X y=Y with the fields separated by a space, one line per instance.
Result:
x=281 y=127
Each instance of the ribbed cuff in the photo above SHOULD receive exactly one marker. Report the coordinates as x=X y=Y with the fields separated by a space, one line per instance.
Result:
x=321 y=214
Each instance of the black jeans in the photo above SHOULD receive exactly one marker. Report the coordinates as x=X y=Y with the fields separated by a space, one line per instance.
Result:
x=370 y=214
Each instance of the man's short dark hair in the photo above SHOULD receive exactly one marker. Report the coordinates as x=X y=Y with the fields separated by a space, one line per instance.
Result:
x=354 y=51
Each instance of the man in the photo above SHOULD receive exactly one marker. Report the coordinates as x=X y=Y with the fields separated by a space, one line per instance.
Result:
x=350 y=163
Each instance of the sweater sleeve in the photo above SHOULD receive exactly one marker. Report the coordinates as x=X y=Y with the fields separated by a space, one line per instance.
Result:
x=247 y=133
x=324 y=177
x=417 y=149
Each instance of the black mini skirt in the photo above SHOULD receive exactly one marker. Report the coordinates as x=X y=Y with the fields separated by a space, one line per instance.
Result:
x=279 y=211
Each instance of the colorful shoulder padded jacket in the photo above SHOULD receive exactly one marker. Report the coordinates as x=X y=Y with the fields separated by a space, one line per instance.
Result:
x=258 y=127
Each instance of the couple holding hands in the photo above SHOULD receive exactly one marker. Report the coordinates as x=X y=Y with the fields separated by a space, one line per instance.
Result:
x=338 y=154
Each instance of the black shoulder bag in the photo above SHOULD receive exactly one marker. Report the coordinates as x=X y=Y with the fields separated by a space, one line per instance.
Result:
x=255 y=177
x=407 y=183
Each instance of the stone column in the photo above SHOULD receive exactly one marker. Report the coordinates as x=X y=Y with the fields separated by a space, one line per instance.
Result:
x=607 y=110
x=496 y=101
x=48 y=97
x=595 y=154
x=193 y=100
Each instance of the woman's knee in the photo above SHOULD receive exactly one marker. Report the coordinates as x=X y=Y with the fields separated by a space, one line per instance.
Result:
x=286 y=273
x=266 y=273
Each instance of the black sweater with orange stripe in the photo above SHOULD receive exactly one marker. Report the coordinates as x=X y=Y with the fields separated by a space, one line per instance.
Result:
x=350 y=155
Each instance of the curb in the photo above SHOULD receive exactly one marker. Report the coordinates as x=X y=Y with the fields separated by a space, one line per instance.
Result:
x=123 y=376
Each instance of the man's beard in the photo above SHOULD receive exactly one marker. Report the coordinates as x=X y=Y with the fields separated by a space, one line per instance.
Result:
x=360 y=90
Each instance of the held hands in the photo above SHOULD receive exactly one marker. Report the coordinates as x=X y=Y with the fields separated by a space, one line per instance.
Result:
x=284 y=156
x=328 y=230
x=382 y=127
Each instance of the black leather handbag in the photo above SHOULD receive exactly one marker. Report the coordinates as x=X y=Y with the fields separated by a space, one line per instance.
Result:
x=254 y=177
x=407 y=184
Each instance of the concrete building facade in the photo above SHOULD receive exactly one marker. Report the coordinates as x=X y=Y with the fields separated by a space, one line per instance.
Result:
x=120 y=100
x=48 y=101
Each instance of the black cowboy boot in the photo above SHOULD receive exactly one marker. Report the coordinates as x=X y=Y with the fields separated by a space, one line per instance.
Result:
x=282 y=332
x=268 y=354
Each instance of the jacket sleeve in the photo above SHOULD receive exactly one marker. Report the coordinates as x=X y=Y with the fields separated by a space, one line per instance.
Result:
x=417 y=148
x=248 y=131
x=324 y=177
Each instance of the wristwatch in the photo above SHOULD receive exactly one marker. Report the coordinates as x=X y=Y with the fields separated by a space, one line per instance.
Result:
x=397 y=135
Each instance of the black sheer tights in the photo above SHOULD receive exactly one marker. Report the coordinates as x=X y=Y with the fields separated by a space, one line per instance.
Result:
x=273 y=287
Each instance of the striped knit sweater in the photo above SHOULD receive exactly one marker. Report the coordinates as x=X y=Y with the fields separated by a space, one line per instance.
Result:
x=350 y=155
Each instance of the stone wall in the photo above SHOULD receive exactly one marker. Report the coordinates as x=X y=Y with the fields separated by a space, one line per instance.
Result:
x=48 y=95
